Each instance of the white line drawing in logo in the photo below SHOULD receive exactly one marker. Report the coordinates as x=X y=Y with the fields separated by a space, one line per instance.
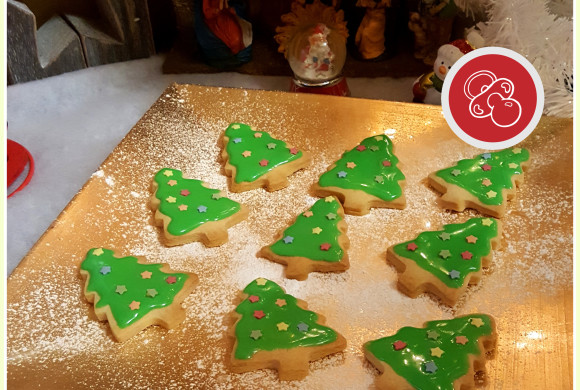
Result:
x=492 y=97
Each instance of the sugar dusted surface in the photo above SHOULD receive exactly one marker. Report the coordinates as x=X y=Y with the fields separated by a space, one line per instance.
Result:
x=54 y=338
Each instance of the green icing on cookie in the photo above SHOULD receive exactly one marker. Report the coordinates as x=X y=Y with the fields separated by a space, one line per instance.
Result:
x=434 y=356
x=486 y=175
x=130 y=289
x=454 y=252
x=188 y=203
x=314 y=234
x=272 y=319
x=255 y=153
x=370 y=167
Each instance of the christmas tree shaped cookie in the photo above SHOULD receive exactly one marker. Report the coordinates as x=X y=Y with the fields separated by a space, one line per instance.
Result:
x=133 y=295
x=365 y=177
x=443 y=355
x=484 y=183
x=316 y=241
x=444 y=262
x=254 y=159
x=189 y=211
x=275 y=330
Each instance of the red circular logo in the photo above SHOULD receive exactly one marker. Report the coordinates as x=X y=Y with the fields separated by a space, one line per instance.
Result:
x=492 y=98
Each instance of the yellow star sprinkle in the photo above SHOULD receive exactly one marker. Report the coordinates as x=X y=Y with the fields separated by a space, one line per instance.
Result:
x=235 y=127
x=350 y=165
x=437 y=352
x=282 y=326
x=261 y=281
x=316 y=230
x=168 y=173
x=329 y=199
x=491 y=194
x=98 y=252
x=513 y=165
x=379 y=137
x=487 y=222
x=170 y=199
x=477 y=322
x=517 y=150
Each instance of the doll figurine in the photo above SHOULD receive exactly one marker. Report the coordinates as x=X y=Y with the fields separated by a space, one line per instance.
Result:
x=370 y=36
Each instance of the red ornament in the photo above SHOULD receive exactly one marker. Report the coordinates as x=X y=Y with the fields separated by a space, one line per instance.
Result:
x=325 y=246
x=398 y=345
x=412 y=246
x=259 y=314
x=466 y=255
x=171 y=279
x=360 y=148
x=253 y=298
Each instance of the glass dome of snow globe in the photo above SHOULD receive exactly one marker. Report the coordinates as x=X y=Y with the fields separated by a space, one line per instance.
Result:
x=316 y=55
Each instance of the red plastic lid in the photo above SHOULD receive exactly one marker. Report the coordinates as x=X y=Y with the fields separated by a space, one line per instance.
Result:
x=17 y=158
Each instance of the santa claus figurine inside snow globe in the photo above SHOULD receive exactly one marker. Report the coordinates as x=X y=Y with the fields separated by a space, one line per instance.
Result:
x=427 y=88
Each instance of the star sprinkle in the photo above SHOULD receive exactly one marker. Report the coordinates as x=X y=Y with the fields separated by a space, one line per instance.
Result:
x=293 y=151
x=170 y=199
x=98 y=251
x=461 y=340
x=134 y=305
x=171 y=279
x=282 y=326
x=308 y=214
x=386 y=163
x=329 y=199
x=398 y=345
x=471 y=239
x=412 y=246
x=486 y=156
x=256 y=334
x=486 y=167
x=360 y=148
x=432 y=334
x=374 y=148
x=331 y=216
x=491 y=194
x=271 y=145
x=237 y=140
x=184 y=193
x=477 y=322
x=261 y=281
x=288 y=239
x=246 y=153
x=325 y=246
x=455 y=172
x=431 y=367
x=316 y=230
x=513 y=165
x=259 y=314
x=105 y=270
x=280 y=302
x=151 y=292
x=454 y=274
x=120 y=289
x=172 y=183
x=350 y=165
x=217 y=195
x=487 y=222
x=235 y=127
x=182 y=207
x=486 y=182
x=379 y=179
x=302 y=327
x=341 y=174
x=437 y=352
x=146 y=275
x=467 y=255
x=253 y=298
x=168 y=173
x=202 y=209
x=263 y=162
x=257 y=135
x=444 y=253
x=445 y=236
x=517 y=150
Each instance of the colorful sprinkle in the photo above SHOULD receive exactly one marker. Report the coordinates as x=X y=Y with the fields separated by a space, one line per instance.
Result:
x=171 y=279
x=288 y=239
x=217 y=195
x=379 y=179
x=202 y=209
x=302 y=327
x=237 y=140
x=412 y=246
x=398 y=345
x=461 y=340
x=467 y=255
x=256 y=334
x=477 y=322
x=445 y=236
x=374 y=148
x=437 y=352
x=471 y=239
x=271 y=145
x=486 y=156
x=454 y=274
x=432 y=334
x=325 y=246
x=444 y=253
x=182 y=207
x=168 y=173
x=146 y=275
x=280 y=302
x=491 y=194
x=341 y=174
x=331 y=216
x=293 y=151
x=263 y=162
x=486 y=167
x=350 y=165
x=253 y=298
x=513 y=165
x=316 y=230
x=134 y=305
x=361 y=148
x=121 y=289
x=329 y=199
x=308 y=214
x=386 y=163
x=151 y=292
x=486 y=182
x=431 y=367
x=517 y=150
x=282 y=326
x=456 y=172
x=98 y=251
x=172 y=183
x=261 y=281
x=246 y=153
x=259 y=314
x=257 y=135
x=105 y=270
x=184 y=192
x=171 y=199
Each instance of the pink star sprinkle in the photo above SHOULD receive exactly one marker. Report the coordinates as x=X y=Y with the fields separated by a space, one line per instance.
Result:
x=325 y=246
x=293 y=151
x=360 y=148
x=398 y=345
x=253 y=298
x=486 y=167
x=412 y=246
x=263 y=162
x=466 y=255
x=184 y=192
